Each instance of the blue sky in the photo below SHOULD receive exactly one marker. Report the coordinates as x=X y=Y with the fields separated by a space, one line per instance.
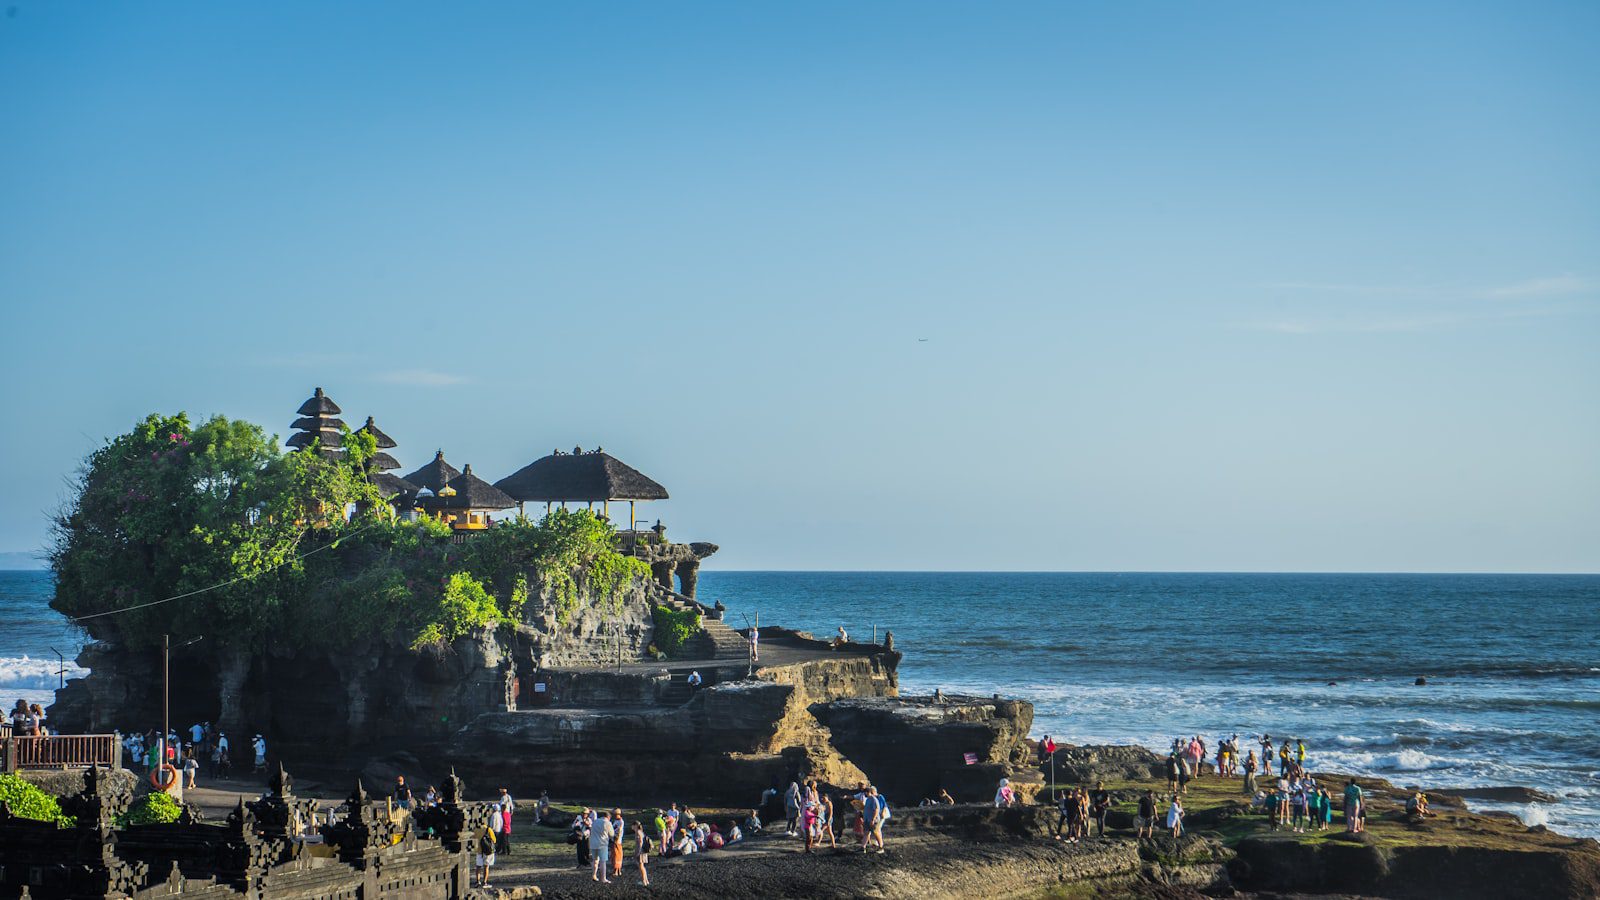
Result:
x=1203 y=286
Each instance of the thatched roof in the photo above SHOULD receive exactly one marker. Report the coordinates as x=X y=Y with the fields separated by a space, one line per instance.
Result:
x=319 y=404
x=581 y=477
x=331 y=440
x=384 y=441
x=391 y=486
x=382 y=462
x=317 y=423
x=471 y=492
x=433 y=475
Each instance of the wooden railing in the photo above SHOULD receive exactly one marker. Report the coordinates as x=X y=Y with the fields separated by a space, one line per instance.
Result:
x=60 y=751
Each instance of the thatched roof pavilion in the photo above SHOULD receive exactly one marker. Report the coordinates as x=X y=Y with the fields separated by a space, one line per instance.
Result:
x=466 y=500
x=380 y=461
x=579 y=477
x=435 y=475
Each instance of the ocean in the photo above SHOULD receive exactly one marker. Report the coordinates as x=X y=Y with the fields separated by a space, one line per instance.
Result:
x=1512 y=661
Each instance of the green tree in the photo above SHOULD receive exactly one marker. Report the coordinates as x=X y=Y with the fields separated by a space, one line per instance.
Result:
x=170 y=508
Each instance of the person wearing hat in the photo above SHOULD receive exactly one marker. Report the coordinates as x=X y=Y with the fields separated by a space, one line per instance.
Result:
x=260 y=745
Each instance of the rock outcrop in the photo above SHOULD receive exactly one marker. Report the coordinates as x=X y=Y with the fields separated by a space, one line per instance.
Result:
x=913 y=747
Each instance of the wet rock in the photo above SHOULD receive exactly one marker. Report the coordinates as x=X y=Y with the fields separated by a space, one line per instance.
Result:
x=1507 y=794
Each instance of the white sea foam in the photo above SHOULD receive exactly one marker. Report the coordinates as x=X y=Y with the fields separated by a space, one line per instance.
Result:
x=26 y=673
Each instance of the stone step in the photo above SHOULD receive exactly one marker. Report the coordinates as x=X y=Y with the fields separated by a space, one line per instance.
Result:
x=717 y=641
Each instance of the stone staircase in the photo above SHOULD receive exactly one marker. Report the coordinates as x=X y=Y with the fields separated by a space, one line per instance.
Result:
x=715 y=639
x=718 y=641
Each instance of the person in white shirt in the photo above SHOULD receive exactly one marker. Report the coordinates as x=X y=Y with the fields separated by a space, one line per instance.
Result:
x=600 y=835
x=260 y=745
x=507 y=806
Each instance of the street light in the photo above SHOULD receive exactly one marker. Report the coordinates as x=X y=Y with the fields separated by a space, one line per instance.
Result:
x=166 y=696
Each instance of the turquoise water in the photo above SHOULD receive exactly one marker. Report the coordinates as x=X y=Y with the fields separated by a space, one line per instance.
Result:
x=1513 y=662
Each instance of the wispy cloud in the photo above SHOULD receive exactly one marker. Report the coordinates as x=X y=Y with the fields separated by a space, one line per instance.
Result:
x=1554 y=286
x=421 y=378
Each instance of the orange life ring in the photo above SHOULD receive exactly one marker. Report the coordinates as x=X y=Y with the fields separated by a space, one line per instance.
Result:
x=160 y=783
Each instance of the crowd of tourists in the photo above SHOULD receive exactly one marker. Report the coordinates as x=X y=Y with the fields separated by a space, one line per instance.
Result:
x=199 y=748
x=812 y=815
x=1294 y=800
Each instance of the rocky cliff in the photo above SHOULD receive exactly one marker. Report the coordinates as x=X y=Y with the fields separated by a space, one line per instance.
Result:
x=374 y=690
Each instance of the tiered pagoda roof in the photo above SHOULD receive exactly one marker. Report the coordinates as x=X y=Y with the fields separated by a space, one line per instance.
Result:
x=318 y=422
x=381 y=461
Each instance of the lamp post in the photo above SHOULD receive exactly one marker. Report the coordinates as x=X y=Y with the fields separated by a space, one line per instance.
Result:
x=166 y=701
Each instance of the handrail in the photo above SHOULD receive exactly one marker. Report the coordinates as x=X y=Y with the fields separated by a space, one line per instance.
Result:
x=61 y=751
x=681 y=598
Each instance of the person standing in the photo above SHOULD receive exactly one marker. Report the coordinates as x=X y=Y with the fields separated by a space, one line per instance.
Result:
x=1352 y=807
x=1175 y=817
x=485 y=856
x=191 y=766
x=600 y=849
x=1064 y=805
x=1145 y=826
x=791 y=808
x=1099 y=806
x=872 y=813
x=755 y=645
x=641 y=842
x=579 y=837
x=619 y=831
x=260 y=747
x=1250 y=774
x=507 y=806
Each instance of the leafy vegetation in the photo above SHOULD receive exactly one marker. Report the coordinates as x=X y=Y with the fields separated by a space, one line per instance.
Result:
x=155 y=808
x=171 y=508
x=673 y=627
x=27 y=801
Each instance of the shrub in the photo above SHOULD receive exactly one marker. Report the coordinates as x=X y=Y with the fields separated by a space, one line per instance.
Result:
x=28 y=802
x=673 y=627
x=466 y=604
x=154 y=808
